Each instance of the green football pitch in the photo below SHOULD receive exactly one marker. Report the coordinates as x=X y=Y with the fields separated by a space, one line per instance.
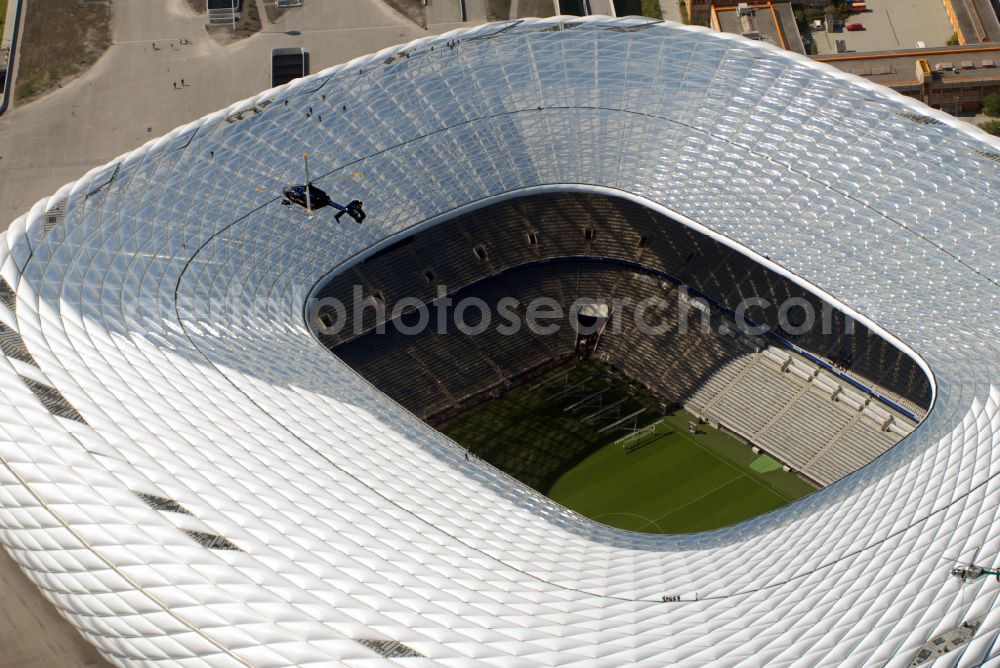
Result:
x=671 y=481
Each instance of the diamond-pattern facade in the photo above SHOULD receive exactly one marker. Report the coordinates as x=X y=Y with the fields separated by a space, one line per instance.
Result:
x=166 y=307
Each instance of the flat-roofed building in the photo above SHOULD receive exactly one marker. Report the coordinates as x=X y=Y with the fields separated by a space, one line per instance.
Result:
x=767 y=22
x=975 y=21
x=953 y=79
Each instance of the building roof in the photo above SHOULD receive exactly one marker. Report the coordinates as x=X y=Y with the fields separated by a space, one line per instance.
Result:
x=975 y=21
x=221 y=489
x=773 y=22
x=961 y=65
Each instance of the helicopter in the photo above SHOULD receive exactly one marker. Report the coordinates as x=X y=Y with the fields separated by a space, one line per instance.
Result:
x=971 y=571
x=310 y=198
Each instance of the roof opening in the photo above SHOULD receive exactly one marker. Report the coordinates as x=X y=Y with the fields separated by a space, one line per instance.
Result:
x=12 y=345
x=52 y=400
x=326 y=319
x=163 y=503
x=390 y=649
x=7 y=297
x=212 y=541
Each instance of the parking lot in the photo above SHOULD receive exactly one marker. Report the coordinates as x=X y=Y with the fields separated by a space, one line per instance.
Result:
x=890 y=25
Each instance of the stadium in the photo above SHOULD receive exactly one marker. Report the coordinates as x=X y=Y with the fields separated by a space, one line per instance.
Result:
x=229 y=442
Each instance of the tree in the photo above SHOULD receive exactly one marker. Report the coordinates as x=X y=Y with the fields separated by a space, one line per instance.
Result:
x=993 y=127
x=953 y=40
x=991 y=104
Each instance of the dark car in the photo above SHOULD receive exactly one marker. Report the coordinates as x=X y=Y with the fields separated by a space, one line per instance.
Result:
x=288 y=64
x=297 y=195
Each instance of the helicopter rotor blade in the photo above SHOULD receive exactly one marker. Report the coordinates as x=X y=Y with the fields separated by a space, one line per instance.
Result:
x=959 y=560
x=975 y=554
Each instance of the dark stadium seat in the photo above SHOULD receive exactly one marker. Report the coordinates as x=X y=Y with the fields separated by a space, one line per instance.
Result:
x=592 y=246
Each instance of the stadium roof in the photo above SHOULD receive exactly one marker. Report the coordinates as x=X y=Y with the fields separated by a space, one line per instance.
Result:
x=221 y=488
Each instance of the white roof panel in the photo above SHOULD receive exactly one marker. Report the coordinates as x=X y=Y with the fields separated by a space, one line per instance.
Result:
x=166 y=308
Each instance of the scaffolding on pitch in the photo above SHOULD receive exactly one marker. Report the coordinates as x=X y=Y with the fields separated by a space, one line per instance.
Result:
x=612 y=411
x=572 y=390
x=553 y=380
x=629 y=422
x=592 y=400
x=562 y=386
x=637 y=438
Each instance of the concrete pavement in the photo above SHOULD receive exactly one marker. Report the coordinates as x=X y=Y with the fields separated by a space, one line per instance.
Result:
x=32 y=633
x=671 y=11
x=521 y=9
x=450 y=11
x=891 y=24
x=606 y=7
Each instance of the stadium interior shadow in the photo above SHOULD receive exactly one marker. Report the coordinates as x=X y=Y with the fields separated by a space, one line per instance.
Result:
x=567 y=247
x=474 y=250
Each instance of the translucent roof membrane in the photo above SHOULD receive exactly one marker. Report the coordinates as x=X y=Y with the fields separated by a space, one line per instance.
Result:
x=164 y=303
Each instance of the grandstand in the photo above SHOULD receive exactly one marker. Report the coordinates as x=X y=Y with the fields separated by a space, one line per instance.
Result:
x=822 y=403
x=599 y=444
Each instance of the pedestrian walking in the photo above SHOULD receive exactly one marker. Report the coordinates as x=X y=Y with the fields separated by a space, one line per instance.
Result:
x=182 y=82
